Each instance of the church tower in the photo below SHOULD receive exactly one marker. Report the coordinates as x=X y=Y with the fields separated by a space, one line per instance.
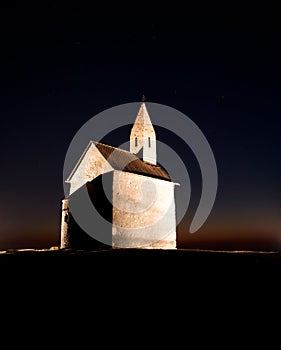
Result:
x=143 y=138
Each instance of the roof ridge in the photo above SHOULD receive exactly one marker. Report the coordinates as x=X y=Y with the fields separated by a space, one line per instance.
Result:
x=123 y=160
x=119 y=149
x=124 y=150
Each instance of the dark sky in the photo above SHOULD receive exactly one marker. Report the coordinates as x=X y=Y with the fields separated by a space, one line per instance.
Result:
x=61 y=65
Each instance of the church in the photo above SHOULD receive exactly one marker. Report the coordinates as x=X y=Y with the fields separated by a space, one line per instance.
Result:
x=128 y=189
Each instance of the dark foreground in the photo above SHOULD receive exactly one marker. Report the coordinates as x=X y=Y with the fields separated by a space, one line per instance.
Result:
x=141 y=280
x=181 y=263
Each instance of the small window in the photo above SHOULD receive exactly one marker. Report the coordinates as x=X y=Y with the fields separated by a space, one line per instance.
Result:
x=66 y=218
x=136 y=142
x=149 y=142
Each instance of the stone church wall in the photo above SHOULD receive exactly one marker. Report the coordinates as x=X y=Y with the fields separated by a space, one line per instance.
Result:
x=143 y=212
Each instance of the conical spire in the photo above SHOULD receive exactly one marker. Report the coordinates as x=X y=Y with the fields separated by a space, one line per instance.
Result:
x=143 y=138
x=143 y=116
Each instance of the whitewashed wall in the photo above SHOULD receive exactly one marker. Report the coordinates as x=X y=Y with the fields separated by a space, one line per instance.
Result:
x=143 y=212
x=92 y=165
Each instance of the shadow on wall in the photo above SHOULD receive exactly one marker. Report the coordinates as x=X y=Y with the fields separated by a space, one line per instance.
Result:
x=77 y=238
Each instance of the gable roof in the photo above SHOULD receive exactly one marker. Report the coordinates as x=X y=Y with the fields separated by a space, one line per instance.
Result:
x=125 y=161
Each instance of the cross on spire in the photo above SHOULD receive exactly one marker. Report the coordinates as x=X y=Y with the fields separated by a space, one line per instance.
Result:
x=143 y=98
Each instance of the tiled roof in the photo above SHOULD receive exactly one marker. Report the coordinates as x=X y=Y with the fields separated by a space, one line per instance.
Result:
x=123 y=160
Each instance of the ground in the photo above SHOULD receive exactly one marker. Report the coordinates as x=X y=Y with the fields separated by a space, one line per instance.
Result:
x=187 y=262
x=198 y=284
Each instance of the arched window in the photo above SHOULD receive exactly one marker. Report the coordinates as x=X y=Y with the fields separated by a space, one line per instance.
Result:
x=149 y=142
x=136 y=142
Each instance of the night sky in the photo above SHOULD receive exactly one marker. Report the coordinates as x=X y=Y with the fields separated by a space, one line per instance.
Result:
x=62 y=65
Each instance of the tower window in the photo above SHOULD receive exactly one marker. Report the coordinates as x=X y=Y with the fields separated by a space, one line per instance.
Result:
x=149 y=142
x=136 y=142
x=66 y=218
